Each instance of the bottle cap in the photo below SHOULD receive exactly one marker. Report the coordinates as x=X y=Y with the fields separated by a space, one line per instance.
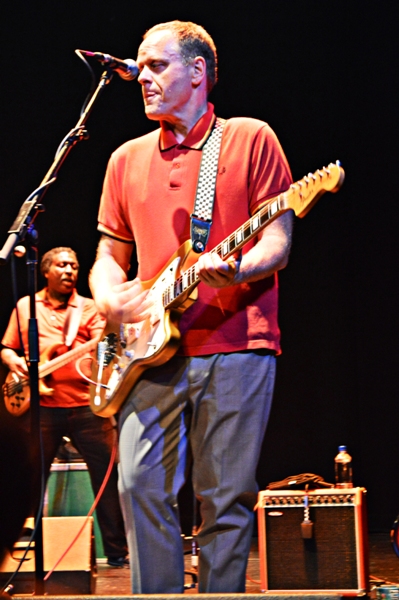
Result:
x=341 y=448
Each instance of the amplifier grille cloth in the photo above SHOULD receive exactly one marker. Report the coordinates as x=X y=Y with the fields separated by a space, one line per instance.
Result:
x=327 y=561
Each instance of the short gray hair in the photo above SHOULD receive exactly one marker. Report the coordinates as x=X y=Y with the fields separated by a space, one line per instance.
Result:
x=193 y=41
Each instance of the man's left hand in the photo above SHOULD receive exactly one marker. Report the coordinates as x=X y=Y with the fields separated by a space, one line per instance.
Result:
x=216 y=272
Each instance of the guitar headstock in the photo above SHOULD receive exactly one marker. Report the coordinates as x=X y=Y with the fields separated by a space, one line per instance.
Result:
x=303 y=194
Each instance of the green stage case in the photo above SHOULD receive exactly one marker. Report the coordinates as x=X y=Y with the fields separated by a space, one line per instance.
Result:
x=69 y=494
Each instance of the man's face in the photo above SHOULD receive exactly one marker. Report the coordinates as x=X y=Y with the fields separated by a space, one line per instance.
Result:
x=165 y=80
x=63 y=273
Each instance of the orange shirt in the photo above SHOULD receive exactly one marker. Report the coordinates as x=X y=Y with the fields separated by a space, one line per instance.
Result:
x=148 y=196
x=70 y=389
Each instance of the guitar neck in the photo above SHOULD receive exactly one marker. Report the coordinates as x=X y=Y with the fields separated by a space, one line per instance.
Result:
x=300 y=197
x=63 y=359
x=189 y=279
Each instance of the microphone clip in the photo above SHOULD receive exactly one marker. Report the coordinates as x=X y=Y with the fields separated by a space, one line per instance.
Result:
x=126 y=68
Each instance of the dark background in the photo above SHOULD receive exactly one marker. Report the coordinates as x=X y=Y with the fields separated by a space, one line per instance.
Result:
x=324 y=76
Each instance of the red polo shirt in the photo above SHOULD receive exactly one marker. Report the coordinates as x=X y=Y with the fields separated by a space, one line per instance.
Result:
x=148 y=196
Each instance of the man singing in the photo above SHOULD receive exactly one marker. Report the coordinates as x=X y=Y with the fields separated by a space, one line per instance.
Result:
x=212 y=399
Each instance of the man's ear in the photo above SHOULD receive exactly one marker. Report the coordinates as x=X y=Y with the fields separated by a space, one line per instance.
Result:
x=198 y=70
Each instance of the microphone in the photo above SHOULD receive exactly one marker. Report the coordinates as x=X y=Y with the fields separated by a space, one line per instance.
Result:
x=127 y=69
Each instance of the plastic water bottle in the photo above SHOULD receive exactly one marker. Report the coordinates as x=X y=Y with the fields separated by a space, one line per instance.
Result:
x=343 y=468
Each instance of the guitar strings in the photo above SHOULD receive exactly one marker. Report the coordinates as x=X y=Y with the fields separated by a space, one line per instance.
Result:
x=175 y=289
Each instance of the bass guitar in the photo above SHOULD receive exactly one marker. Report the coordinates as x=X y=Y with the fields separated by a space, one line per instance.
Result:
x=123 y=355
x=16 y=389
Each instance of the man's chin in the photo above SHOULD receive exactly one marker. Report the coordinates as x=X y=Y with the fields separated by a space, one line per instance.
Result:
x=153 y=117
x=152 y=113
x=67 y=288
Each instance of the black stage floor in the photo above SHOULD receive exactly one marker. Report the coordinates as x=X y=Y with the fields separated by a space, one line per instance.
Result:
x=115 y=582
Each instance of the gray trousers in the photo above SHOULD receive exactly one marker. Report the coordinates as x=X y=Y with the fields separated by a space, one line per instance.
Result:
x=217 y=407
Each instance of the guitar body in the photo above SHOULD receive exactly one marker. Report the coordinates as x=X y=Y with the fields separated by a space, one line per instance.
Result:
x=17 y=392
x=128 y=350
x=134 y=347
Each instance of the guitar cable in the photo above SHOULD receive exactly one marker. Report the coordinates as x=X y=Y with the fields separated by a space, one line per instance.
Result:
x=92 y=509
x=98 y=383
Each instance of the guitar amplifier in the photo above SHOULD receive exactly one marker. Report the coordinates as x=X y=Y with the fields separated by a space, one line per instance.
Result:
x=76 y=572
x=327 y=553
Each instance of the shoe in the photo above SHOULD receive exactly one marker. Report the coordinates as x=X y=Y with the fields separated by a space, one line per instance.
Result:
x=119 y=561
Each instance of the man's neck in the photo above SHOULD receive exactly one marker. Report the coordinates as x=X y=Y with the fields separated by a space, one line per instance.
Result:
x=57 y=299
x=182 y=126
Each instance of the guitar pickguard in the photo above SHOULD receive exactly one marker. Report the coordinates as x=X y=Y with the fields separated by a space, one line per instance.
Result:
x=148 y=342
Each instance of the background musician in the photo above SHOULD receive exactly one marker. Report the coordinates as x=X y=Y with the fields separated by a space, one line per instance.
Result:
x=66 y=412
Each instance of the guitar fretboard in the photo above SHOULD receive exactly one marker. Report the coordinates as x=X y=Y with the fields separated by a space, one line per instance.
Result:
x=187 y=281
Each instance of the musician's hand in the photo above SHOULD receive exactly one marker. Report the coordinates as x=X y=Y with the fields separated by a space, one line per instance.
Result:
x=16 y=364
x=127 y=303
x=216 y=272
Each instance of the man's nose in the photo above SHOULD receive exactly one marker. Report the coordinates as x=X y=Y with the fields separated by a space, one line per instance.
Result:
x=144 y=76
x=68 y=268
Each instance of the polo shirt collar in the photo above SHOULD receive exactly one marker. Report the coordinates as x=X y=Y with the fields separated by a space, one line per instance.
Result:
x=195 y=138
x=42 y=297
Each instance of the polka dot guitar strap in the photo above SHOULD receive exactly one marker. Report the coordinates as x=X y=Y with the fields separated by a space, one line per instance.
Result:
x=201 y=218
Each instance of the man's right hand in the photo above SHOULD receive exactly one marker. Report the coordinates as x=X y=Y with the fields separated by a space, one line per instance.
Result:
x=16 y=364
x=126 y=303
x=118 y=300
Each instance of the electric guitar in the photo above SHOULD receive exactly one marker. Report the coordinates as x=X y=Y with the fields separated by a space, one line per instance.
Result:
x=122 y=356
x=16 y=389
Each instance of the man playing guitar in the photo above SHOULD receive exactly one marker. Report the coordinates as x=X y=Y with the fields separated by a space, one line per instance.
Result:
x=212 y=399
x=64 y=409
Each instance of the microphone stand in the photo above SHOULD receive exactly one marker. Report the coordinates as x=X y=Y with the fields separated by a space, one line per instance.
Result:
x=23 y=230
